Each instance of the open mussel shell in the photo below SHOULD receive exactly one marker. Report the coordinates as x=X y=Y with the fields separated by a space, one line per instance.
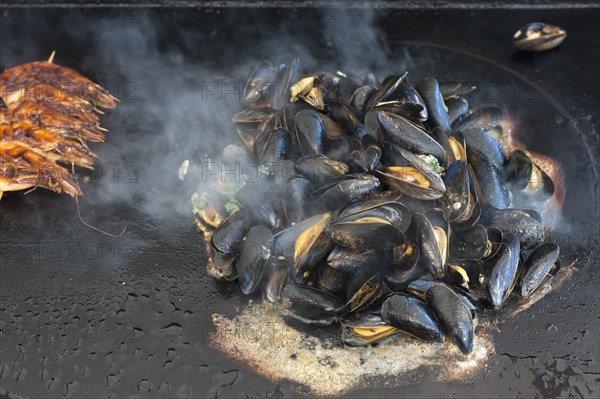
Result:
x=412 y=316
x=482 y=119
x=301 y=87
x=488 y=181
x=210 y=210
x=473 y=211
x=526 y=176
x=372 y=201
x=219 y=266
x=524 y=224
x=321 y=169
x=454 y=315
x=431 y=94
x=404 y=134
x=363 y=336
x=310 y=90
x=465 y=273
x=495 y=238
x=395 y=213
x=405 y=101
x=457 y=148
x=269 y=123
x=254 y=253
x=503 y=271
x=363 y=290
x=247 y=133
x=538 y=36
x=539 y=266
x=351 y=189
x=310 y=305
x=388 y=87
x=404 y=268
x=432 y=234
x=274 y=280
x=256 y=91
x=457 y=201
x=230 y=234
x=412 y=176
x=363 y=232
x=300 y=247
x=365 y=328
x=420 y=286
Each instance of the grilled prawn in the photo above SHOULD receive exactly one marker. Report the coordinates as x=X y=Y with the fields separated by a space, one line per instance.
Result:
x=48 y=113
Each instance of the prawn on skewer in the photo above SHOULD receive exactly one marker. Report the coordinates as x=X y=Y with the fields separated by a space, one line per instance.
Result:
x=47 y=114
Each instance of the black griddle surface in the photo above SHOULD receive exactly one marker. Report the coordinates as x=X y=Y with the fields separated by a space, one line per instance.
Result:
x=86 y=315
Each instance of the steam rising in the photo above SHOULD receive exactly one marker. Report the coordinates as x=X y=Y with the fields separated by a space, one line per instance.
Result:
x=177 y=97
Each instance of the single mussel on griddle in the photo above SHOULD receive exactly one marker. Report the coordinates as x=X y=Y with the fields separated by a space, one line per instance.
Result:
x=385 y=207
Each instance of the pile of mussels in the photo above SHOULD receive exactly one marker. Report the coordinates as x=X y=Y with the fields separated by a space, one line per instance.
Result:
x=379 y=205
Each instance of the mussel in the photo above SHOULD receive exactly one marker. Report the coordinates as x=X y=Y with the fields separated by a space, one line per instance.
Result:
x=412 y=176
x=384 y=208
x=528 y=178
x=254 y=254
x=406 y=135
x=364 y=328
x=310 y=305
x=538 y=36
x=432 y=233
x=524 y=224
x=412 y=316
x=228 y=237
x=310 y=132
x=349 y=190
x=438 y=115
x=541 y=264
x=454 y=315
x=504 y=268
x=301 y=246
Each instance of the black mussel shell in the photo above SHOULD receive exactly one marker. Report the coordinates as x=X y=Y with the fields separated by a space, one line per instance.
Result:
x=524 y=224
x=310 y=305
x=541 y=263
x=254 y=254
x=228 y=237
x=454 y=315
x=412 y=316
x=430 y=92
